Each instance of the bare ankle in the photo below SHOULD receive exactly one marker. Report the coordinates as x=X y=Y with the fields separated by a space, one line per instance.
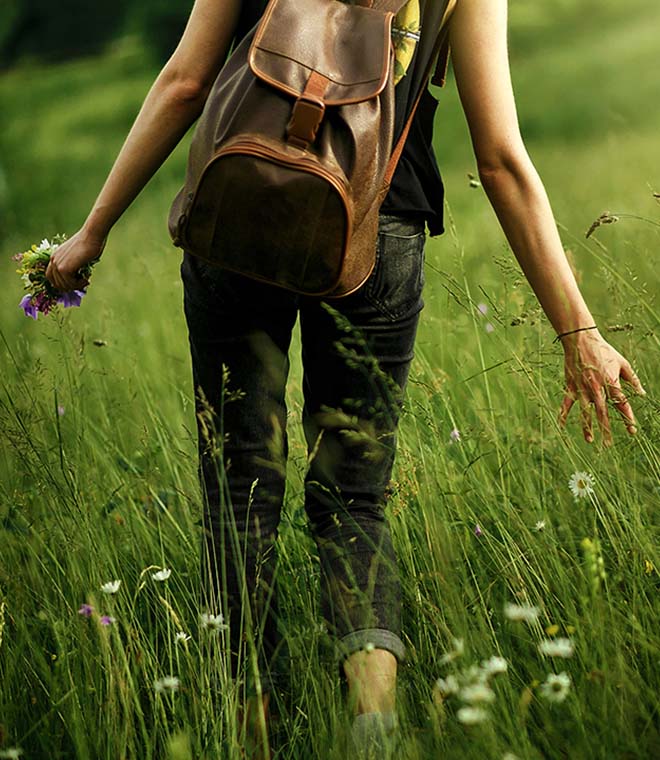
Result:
x=371 y=679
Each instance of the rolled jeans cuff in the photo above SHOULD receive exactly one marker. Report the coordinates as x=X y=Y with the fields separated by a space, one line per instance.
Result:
x=378 y=638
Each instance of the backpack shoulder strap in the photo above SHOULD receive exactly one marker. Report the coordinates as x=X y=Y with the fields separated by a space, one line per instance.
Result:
x=440 y=56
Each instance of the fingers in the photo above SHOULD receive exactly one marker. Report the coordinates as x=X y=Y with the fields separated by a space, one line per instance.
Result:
x=629 y=376
x=63 y=281
x=585 y=416
x=566 y=405
x=594 y=396
x=593 y=378
x=600 y=404
x=619 y=400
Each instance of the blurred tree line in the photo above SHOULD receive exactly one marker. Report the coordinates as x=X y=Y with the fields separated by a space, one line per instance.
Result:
x=60 y=29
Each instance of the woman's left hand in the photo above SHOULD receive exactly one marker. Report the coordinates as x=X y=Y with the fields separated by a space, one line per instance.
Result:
x=593 y=370
x=65 y=263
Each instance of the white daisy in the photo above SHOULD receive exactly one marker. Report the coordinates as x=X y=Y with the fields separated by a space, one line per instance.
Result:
x=214 y=622
x=560 y=647
x=521 y=613
x=581 y=484
x=447 y=686
x=494 y=665
x=168 y=683
x=45 y=245
x=474 y=675
x=539 y=526
x=470 y=716
x=478 y=692
x=182 y=636
x=162 y=575
x=111 y=587
x=555 y=687
x=457 y=651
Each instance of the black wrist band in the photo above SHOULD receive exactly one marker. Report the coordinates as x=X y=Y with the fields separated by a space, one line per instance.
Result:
x=570 y=332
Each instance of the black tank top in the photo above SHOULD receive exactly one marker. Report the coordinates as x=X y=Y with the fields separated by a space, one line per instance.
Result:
x=417 y=187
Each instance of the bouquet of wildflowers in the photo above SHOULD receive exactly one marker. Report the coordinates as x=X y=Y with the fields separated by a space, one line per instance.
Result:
x=42 y=296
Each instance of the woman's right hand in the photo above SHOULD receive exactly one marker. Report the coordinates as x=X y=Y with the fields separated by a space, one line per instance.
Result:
x=64 y=265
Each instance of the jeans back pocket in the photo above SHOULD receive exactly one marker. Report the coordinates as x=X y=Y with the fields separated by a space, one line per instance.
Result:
x=395 y=286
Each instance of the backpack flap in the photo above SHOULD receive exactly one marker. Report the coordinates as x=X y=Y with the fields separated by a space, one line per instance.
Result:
x=328 y=39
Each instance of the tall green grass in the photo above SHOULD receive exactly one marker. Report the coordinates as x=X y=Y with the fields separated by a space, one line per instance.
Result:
x=98 y=456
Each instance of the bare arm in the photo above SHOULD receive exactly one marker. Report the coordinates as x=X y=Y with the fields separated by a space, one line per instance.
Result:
x=173 y=103
x=478 y=39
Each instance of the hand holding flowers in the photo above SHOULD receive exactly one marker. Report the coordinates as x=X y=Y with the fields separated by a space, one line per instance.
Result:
x=70 y=265
x=56 y=272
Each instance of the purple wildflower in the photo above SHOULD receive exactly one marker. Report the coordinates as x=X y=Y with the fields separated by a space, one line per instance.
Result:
x=43 y=303
x=106 y=620
x=71 y=298
x=86 y=610
x=28 y=307
x=489 y=327
x=482 y=308
x=477 y=530
x=455 y=435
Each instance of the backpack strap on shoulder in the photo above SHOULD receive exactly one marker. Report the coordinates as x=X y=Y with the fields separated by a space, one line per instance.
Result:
x=440 y=73
x=440 y=56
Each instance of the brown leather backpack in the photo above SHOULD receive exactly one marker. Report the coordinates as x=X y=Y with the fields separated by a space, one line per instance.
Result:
x=292 y=155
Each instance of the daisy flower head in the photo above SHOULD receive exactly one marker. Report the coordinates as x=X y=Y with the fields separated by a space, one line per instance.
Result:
x=561 y=647
x=213 y=622
x=556 y=686
x=521 y=613
x=181 y=637
x=539 y=526
x=162 y=575
x=168 y=683
x=457 y=651
x=111 y=587
x=478 y=692
x=447 y=686
x=494 y=666
x=13 y=753
x=581 y=485
x=471 y=716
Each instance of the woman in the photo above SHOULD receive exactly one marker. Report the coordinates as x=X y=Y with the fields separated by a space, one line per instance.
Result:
x=356 y=359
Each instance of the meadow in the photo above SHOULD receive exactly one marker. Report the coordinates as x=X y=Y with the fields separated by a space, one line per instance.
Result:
x=98 y=443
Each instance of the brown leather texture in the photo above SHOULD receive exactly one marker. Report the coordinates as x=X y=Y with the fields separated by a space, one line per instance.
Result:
x=287 y=165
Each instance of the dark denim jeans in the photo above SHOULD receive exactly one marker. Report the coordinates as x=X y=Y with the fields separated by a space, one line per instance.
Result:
x=356 y=353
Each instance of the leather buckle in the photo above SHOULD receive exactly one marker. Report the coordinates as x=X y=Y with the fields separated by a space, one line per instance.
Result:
x=305 y=120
